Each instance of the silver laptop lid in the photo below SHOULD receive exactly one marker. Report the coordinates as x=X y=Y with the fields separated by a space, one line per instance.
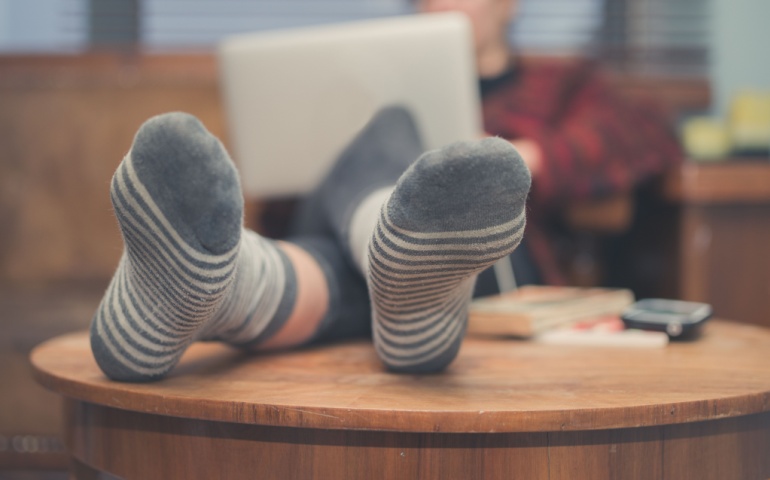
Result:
x=295 y=98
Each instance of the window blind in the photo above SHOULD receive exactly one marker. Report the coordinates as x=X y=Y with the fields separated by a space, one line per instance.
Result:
x=660 y=37
x=174 y=24
x=43 y=26
x=669 y=37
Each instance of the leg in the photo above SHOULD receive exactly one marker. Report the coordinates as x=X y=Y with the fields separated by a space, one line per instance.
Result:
x=371 y=164
x=453 y=213
x=189 y=271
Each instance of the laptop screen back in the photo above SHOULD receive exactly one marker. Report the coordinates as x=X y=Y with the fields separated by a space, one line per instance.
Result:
x=295 y=98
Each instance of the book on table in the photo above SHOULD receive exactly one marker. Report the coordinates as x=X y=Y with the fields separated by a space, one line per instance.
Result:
x=532 y=310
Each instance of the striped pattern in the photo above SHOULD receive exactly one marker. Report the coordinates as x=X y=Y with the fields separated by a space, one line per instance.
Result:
x=421 y=285
x=257 y=305
x=168 y=292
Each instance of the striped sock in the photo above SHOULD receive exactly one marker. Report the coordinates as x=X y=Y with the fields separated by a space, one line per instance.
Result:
x=189 y=271
x=452 y=214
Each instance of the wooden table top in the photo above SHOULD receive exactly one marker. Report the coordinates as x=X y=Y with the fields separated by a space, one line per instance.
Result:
x=493 y=386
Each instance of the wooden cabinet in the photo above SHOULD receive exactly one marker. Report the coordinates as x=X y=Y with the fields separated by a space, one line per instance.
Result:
x=704 y=236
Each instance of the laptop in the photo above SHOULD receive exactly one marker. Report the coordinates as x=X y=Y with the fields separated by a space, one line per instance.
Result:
x=295 y=98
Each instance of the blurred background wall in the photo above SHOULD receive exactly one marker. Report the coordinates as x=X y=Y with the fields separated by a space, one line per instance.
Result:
x=78 y=77
x=645 y=31
x=717 y=38
x=739 y=48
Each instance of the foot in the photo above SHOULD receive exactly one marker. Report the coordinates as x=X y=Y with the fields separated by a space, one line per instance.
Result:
x=455 y=212
x=189 y=271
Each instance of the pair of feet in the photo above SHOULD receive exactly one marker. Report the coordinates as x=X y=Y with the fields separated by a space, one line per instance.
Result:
x=191 y=272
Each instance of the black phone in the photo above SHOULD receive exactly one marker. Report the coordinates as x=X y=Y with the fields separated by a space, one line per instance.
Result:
x=678 y=318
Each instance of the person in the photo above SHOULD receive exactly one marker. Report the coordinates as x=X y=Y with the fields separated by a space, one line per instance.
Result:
x=404 y=236
x=409 y=233
x=580 y=139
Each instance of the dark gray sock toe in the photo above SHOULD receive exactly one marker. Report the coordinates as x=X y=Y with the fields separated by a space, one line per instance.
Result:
x=191 y=178
x=464 y=186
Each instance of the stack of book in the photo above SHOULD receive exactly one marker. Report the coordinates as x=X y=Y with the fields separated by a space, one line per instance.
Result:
x=560 y=315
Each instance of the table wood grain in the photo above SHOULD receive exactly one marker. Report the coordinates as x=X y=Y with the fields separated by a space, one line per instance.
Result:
x=494 y=385
x=504 y=409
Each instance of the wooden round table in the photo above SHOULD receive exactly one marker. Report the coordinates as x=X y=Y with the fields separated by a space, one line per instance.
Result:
x=504 y=409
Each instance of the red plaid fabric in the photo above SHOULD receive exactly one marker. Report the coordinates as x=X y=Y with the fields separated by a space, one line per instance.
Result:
x=594 y=143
